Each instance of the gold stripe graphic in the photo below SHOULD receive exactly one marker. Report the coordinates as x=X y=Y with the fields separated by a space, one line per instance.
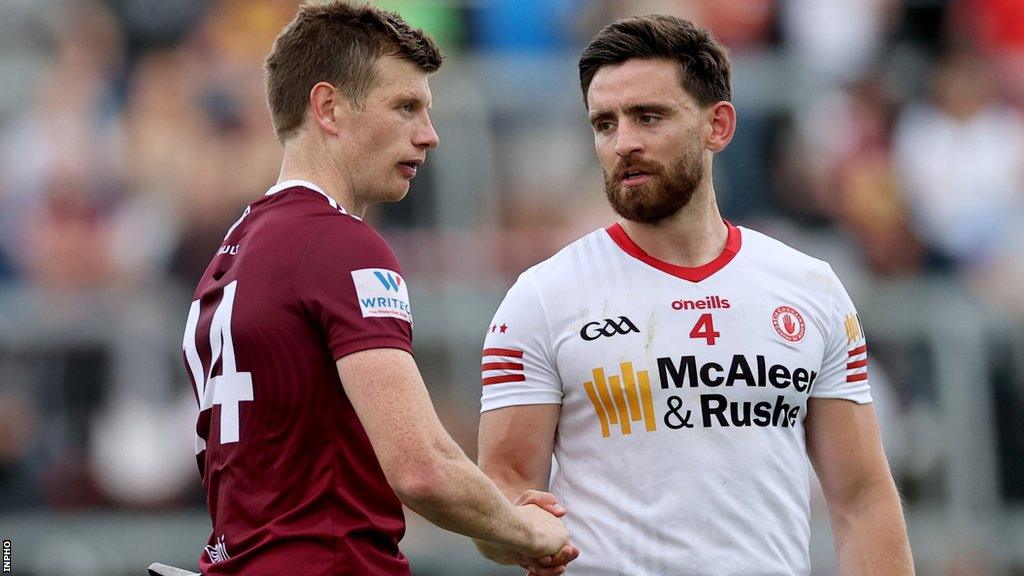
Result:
x=852 y=328
x=645 y=395
x=630 y=381
x=617 y=400
x=620 y=405
x=589 y=387
x=602 y=392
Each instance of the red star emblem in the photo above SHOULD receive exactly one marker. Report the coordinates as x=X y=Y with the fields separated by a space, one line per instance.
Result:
x=504 y=327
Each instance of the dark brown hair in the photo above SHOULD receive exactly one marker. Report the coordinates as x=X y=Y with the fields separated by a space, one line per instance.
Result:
x=337 y=42
x=703 y=61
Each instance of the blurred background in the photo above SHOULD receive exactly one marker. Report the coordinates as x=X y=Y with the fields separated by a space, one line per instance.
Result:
x=882 y=135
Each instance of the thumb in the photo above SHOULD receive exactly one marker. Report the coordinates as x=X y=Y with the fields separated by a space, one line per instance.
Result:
x=544 y=500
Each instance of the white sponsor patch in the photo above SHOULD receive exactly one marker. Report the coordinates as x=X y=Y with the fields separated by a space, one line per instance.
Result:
x=382 y=293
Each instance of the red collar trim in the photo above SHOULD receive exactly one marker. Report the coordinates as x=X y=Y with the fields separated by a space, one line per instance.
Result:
x=732 y=247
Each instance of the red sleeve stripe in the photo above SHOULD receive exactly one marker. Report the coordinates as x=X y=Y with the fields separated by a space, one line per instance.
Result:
x=857 y=364
x=503 y=379
x=859 y=350
x=501 y=366
x=857 y=377
x=503 y=352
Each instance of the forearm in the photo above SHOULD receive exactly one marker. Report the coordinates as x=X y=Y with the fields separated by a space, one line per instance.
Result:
x=871 y=535
x=457 y=496
x=512 y=485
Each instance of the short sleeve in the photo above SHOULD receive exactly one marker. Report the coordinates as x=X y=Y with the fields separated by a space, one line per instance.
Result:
x=517 y=366
x=844 y=370
x=351 y=286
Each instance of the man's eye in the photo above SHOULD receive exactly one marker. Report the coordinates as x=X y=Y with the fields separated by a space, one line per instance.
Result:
x=603 y=126
x=648 y=119
x=405 y=107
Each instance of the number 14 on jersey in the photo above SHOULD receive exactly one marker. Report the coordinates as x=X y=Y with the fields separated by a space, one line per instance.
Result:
x=231 y=387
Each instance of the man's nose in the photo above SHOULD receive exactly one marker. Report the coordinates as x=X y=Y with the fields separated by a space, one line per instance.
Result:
x=627 y=140
x=426 y=136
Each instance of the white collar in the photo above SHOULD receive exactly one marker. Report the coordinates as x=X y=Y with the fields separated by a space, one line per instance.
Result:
x=307 y=184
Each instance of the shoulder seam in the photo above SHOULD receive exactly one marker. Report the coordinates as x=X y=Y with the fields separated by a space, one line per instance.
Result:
x=302 y=258
x=547 y=324
x=834 y=278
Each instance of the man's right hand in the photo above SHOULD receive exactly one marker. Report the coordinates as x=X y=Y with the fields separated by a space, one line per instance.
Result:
x=549 y=533
x=551 y=549
x=548 y=549
x=546 y=565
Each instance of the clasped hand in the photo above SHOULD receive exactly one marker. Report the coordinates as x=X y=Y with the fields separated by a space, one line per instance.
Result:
x=544 y=510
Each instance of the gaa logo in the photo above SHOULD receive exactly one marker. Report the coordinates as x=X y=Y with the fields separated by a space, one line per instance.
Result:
x=789 y=323
x=610 y=327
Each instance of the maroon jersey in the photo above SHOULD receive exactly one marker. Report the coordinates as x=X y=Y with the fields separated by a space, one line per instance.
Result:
x=293 y=485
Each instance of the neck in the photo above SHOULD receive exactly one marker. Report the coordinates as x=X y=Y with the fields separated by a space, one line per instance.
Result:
x=692 y=237
x=304 y=160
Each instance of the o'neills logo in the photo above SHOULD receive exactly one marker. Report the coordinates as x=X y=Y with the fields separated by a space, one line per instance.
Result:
x=709 y=303
x=788 y=323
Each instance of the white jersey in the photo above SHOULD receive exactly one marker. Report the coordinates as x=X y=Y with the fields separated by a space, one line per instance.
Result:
x=680 y=442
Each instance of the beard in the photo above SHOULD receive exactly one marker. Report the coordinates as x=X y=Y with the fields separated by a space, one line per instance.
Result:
x=666 y=193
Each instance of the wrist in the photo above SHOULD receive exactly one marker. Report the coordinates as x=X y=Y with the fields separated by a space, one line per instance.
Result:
x=532 y=536
x=495 y=552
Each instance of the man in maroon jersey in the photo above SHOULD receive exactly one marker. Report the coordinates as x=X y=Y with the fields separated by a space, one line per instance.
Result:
x=314 y=423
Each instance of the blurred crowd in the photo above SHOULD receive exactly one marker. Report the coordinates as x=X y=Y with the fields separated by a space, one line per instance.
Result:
x=133 y=132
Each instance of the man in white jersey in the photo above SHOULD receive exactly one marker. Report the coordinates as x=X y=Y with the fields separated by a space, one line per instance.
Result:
x=681 y=369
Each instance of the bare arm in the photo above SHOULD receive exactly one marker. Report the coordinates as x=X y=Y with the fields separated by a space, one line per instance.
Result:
x=426 y=468
x=515 y=446
x=864 y=506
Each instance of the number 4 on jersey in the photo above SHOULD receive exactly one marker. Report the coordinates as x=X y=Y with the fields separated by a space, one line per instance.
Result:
x=705 y=328
x=229 y=388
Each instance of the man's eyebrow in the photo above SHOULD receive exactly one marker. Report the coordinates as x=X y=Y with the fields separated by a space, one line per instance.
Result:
x=410 y=97
x=647 y=108
x=596 y=115
x=633 y=110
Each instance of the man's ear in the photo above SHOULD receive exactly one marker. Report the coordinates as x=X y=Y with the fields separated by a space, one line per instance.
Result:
x=722 y=116
x=327 y=105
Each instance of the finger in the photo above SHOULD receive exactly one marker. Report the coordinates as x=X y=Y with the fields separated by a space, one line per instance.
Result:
x=532 y=563
x=548 y=564
x=535 y=497
x=544 y=500
x=556 y=559
x=552 y=571
x=566 y=554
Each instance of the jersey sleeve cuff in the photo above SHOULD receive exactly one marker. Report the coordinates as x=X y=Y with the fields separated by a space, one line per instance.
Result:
x=859 y=395
x=351 y=347
x=503 y=395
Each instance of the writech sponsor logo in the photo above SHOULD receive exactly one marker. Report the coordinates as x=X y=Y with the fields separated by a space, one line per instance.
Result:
x=388 y=280
x=382 y=293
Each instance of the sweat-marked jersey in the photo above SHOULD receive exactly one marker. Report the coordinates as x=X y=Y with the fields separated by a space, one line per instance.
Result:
x=293 y=485
x=680 y=442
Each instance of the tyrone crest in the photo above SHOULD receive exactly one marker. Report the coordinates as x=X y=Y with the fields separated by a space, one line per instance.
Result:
x=789 y=323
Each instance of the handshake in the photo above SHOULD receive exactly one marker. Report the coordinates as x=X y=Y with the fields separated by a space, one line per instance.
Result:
x=546 y=549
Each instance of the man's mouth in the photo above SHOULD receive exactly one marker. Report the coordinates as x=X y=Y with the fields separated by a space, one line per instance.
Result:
x=634 y=177
x=409 y=167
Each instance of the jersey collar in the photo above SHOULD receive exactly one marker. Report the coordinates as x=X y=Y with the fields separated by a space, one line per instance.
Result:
x=696 y=274
x=307 y=184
